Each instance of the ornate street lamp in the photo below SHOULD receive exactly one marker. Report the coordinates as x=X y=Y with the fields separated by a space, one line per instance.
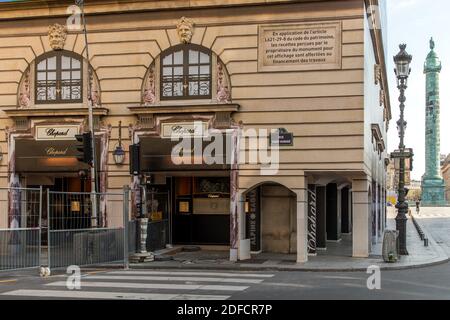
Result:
x=402 y=71
x=119 y=152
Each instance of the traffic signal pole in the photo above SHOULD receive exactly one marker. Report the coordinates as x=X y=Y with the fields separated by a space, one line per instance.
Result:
x=94 y=182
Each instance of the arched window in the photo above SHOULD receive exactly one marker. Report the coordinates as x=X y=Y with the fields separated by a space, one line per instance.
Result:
x=186 y=73
x=59 y=78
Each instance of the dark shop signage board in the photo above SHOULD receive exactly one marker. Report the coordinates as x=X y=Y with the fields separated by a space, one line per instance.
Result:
x=253 y=217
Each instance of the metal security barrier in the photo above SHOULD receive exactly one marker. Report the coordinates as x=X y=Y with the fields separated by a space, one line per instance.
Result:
x=79 y=235
x=132 y=236
x=60 y=229
x=20 y=228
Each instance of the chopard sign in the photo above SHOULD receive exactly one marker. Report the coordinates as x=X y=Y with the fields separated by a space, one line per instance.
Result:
x=64 y=132
x=185 y=129
x=55 y=152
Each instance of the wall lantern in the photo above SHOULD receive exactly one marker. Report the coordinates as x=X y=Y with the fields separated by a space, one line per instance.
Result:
x=119 y=152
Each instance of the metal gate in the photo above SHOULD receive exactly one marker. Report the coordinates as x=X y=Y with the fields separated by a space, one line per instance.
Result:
x=20 y=228
x=82 y=236
x=60 y=229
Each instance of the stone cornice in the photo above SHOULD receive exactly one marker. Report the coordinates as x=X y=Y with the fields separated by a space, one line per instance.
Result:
x=180 y=109
x=56 y=8
x=52 y=112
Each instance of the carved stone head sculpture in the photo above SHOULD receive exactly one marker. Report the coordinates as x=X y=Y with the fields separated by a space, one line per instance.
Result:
x=57 y=35
x=185 y=29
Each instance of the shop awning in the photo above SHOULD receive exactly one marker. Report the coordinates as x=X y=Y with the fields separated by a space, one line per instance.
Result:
x=158 y=155
x=47 y=156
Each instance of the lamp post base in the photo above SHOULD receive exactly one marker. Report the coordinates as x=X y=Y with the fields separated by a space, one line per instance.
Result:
x=142 y=257
x=401 y=221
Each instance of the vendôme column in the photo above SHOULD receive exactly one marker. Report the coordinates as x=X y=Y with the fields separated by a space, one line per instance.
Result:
x=433 y=186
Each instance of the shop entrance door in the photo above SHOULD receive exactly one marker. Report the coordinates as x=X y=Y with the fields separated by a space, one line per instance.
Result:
x=201 y=211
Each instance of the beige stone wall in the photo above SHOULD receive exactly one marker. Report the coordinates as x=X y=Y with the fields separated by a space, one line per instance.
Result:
x=446 y=176
x=324 y=109
x=279 y=220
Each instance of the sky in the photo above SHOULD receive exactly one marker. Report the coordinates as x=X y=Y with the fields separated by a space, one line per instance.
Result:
x=414 y=22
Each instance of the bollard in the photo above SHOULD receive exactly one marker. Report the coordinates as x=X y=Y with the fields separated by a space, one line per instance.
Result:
x=426 y=242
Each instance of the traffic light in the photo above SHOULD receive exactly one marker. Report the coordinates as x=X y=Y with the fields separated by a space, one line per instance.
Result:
x=135 y=159
x=85 y=148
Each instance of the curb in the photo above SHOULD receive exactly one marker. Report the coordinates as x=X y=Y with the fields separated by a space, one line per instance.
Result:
x=284 y=268
x=279 y=268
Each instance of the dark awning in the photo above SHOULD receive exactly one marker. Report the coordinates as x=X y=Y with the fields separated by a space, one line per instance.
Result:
x=48 y=156
x=156 y=155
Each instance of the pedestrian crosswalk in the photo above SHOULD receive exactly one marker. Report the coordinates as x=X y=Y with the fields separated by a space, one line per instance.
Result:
x=148 y=285
x=432 y=214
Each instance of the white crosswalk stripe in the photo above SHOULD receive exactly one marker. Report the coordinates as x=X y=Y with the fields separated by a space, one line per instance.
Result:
x=153 y=286
x=190 y=279
x=188 y=273
x=110 y=295
x=150 y=285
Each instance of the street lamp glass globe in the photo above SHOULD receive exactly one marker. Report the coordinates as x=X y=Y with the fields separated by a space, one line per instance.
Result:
x=119 y=155
x=402 y=63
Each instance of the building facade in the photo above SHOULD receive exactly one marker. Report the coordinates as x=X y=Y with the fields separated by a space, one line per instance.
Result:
x=445 y=170
x=313 y=72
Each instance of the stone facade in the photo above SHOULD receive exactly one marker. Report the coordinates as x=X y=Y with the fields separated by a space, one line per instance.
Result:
x=446 y=175
x=331 y=105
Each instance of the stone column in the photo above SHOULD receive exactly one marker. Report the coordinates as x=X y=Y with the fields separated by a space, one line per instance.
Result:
x=302 y=226
x=361 y=221
x=345 y=210
x=321 y=217
x=333 y=218
x=244 y=244
x=433 y=185
x=235 y=196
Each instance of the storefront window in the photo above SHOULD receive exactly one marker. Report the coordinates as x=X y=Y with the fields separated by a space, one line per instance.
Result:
x=59 y=78
x=186 y=73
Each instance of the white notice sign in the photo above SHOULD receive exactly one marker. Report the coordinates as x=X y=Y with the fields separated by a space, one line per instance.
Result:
x=306 y=46
x=52 y=133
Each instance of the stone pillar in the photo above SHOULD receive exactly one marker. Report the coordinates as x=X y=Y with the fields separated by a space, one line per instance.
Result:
x=321 y=217
x=333 y=218
x=361 y=218
x=345 y=210
x=244 y=244
x=302 y=226
x=377 y=208
x=235 y=196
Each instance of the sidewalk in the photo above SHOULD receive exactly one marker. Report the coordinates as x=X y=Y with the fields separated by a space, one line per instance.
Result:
x=337 y=258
